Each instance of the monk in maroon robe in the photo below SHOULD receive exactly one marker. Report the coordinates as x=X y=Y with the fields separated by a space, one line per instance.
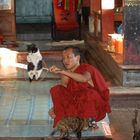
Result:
x=83 y=91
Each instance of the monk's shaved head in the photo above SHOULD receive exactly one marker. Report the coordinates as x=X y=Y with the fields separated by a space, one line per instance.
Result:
x=76 y=51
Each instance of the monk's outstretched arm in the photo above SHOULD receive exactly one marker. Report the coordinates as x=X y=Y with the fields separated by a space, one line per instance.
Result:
x=86 y=77
x=76 y=76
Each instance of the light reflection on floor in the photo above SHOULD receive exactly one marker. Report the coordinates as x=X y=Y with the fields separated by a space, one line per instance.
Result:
x=7 y=59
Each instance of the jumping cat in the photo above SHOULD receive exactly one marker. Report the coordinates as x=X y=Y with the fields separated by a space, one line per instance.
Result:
x=34 y=59
x=73 y=124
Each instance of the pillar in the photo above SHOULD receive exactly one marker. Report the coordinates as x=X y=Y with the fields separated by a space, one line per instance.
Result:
x=131 y=67
x=132 y=32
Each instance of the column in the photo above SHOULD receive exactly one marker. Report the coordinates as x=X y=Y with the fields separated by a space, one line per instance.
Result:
x=132 y=32
x=131 y=67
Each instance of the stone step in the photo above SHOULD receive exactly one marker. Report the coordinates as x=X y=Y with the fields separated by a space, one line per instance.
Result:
x=120 y=100
x=48 y=45
x=19 y=71
x=124 y=90
x=33 y=36
x=47 y=55
x=35 y=31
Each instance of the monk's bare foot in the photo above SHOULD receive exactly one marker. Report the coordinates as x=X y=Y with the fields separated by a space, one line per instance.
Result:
x=92 y=123
x=51 y=113
x=95 y=126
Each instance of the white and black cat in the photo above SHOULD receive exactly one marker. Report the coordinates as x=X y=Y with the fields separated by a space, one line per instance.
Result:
x=35 y=64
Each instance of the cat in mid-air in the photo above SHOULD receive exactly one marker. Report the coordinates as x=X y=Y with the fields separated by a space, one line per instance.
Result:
x=73 y=124
x=34 y=62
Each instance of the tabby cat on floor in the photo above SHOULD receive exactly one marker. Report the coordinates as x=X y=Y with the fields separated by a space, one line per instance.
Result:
x=73 y=124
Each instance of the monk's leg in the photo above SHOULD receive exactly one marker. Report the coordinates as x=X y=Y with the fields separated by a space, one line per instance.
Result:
x=59 y=96
x=92 y=106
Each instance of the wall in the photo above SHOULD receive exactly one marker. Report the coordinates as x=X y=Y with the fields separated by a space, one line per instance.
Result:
x=103 y=20
x=132 y=32
x=131 y=67
x=95 y=5
x=33 y=11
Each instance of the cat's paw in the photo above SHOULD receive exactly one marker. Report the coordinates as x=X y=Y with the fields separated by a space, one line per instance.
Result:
x=38 y=74
x=95 y=126
x=30 y=80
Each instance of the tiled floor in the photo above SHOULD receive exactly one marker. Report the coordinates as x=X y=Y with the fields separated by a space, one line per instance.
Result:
x=24 y=109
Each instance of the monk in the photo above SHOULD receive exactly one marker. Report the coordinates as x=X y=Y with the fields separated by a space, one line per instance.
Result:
x=82 y=92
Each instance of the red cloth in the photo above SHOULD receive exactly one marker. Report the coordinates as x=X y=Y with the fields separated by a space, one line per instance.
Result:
x=86 y=3
x=1 y=38
x=81 y=99
x=72 y=5
x=63 y=20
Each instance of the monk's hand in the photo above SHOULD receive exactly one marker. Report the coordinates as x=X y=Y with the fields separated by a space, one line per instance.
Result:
x=54 y=69
x=51 y=113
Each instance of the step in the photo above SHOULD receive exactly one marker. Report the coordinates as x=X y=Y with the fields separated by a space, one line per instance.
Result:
x=32 y=31
x=131 y=75
x=34 y=36
x=47 y=55
x=48 y=45
x=124 y=90
x=19 y=72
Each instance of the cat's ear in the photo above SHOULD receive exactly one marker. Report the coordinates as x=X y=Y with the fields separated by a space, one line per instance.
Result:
x=33 y=45
x=30 y=46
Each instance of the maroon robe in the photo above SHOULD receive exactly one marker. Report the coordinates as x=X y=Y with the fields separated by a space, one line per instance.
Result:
x=81 y=99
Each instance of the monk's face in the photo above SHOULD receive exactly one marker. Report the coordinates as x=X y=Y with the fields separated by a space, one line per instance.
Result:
x=70 y=61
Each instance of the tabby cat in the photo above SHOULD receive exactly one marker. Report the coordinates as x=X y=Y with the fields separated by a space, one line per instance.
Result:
x=73 y=124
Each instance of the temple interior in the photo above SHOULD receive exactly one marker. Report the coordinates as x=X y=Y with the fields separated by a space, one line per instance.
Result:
x=107 y=32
